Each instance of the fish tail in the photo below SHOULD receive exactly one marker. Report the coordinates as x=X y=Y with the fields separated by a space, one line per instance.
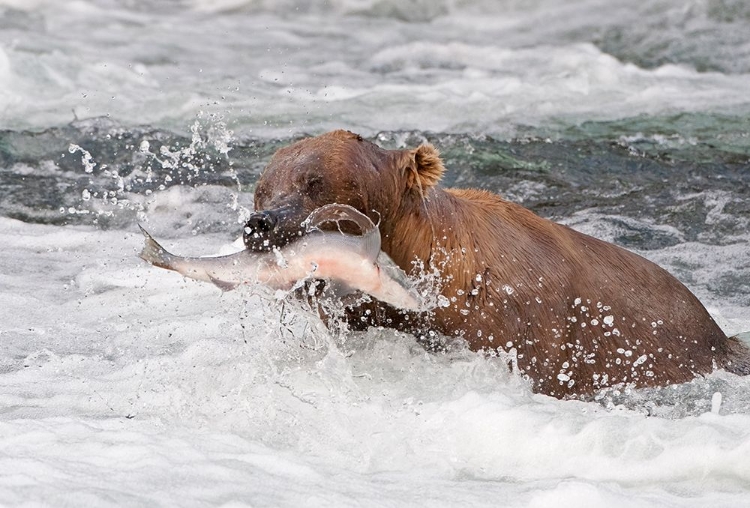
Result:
x=336 y=212
x=154 y=253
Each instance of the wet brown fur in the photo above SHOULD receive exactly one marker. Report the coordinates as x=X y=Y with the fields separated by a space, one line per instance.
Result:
x=575 y=313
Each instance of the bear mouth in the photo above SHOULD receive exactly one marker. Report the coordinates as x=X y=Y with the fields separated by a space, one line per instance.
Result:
x=266 y=230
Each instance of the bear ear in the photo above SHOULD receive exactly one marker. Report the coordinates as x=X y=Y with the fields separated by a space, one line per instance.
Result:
x=427 y=169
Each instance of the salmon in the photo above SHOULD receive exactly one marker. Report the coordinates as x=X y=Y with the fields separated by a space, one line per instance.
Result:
x=354 y=261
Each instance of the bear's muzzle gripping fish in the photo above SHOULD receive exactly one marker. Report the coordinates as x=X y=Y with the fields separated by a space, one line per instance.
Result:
x=355 y=261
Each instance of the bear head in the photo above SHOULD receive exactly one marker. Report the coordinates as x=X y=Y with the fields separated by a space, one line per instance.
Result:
x=337 y=167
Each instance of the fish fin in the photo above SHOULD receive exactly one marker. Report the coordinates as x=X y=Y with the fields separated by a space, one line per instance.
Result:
x=222 y=284
x=385 y=263
x=154 y=253
x=397 y=289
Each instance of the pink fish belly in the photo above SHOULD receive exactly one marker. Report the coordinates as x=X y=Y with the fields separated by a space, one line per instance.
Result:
x=352 y=269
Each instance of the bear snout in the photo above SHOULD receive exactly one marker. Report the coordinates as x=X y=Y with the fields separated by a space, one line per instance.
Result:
x=261 y=222
x=269 y=229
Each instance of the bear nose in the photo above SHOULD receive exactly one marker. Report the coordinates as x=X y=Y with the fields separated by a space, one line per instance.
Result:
x=259 y=223
x=261 y=231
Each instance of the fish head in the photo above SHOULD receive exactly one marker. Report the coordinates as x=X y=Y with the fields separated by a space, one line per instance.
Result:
x=338 y=167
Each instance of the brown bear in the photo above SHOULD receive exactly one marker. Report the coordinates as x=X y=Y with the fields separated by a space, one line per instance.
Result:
x=573 y=313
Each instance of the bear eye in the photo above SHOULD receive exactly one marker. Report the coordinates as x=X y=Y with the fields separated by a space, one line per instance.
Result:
x=314 y=186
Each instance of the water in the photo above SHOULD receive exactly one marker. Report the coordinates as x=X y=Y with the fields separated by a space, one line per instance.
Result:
x=122 y=385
